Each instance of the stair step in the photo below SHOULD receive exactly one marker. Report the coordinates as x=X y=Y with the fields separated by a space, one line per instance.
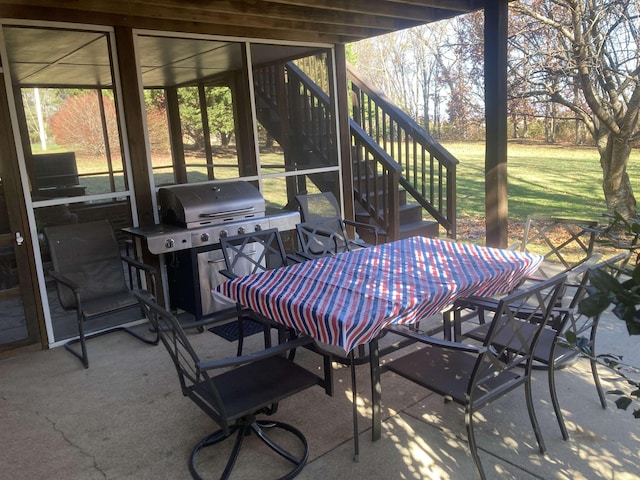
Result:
x=402 y=196
x=409 y=213
x=423 y=228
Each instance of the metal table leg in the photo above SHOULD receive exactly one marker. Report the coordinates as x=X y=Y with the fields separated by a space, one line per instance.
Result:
x=376 y=396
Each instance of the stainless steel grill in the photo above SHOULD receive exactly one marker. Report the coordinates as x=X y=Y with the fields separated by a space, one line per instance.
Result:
x=194 y=218
x=204 y=204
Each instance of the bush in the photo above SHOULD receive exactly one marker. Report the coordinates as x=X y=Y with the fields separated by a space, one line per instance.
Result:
x=77 y=125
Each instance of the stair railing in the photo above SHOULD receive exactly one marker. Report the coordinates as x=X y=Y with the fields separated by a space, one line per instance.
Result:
x=389 y=149
x=429 y=170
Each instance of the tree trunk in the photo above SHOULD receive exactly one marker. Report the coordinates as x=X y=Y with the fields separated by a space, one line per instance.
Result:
x=614 y=156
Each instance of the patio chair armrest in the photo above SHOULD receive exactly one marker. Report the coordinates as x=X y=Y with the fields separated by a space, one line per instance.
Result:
x=428 y=340
x=151 y=271
x=297 y=257
x=372 y=229
x=66 y=281
x=139 y=265
x=279 y=349
x=475 y=302
x=304 y=256
x=229 y=274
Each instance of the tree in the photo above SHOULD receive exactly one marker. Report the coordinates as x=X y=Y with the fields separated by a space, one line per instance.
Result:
x=463 y=73
x=220 y=113
x=78 y=124
x=408 y=67
x=583 y=55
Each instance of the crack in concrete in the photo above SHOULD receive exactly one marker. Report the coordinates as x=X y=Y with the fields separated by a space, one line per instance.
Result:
x=73 y=444
x=58 y=430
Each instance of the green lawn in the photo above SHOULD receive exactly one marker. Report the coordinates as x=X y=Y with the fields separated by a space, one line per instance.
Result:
x=563 y=181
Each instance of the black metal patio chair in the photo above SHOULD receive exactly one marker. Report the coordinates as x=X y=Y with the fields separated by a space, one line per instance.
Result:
x=235 y=391
x=567 y=246
x=566 y=323
x=249 y=253
x=323 y=230
x=475 y=375
x=565 y=243
x=89 y=272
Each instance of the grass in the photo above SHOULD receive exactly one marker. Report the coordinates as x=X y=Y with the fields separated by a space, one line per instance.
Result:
x=547 y=180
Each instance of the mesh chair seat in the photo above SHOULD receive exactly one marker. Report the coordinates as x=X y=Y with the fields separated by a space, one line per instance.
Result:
x=447 y=373
x=108 y=304
x=263 y=383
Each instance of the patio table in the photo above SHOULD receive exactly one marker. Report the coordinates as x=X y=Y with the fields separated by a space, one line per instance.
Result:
x=346 y=300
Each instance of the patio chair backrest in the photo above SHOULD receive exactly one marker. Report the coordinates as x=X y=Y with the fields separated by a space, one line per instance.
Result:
x=318 y=206
x=253 y=252
x=576 y=324
x=195 y=383
x=513 y=318
x=320 y=238
x=88 y=254
x=564 y=243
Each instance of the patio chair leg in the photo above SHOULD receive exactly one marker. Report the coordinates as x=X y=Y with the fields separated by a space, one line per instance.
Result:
x=243 y=430
x=84 y=358
x=554 y=400
x=468 y=420
x=594 y=365
x=532 y=415
x=259 y=426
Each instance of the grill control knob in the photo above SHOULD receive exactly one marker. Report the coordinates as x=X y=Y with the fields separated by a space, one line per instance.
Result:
x=258 y=227
x=241 y=230
x=204 y=237
x=169 y=243
x=223 y=233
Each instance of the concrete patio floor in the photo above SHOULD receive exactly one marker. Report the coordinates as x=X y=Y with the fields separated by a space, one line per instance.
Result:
x=125 y=418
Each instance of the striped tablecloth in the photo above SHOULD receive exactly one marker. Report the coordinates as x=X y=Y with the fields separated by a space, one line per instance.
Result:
x=347 y=299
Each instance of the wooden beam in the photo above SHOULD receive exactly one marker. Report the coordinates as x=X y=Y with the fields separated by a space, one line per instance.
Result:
x=133 y=117
x=261 y=10
x=419 y=11
x=495 y=80
x=458 y=6
x=175 y=135
x=169 y=10
x=171 y=25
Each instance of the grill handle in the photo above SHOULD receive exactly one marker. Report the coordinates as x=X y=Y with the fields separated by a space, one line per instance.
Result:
x=227 y=213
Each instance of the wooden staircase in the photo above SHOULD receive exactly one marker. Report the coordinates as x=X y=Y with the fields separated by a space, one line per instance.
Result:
x=404 y=186
x=410 y=216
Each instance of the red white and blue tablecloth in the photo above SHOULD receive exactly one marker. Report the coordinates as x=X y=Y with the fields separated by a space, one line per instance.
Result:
x=347 y=299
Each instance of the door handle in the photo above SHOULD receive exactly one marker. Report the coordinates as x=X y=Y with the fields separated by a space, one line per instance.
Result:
x=19 y=239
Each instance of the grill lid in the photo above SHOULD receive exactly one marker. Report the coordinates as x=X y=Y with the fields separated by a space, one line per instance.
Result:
x=210 y=203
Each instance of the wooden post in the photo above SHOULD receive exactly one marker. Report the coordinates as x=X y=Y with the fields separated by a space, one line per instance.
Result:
x=343 y=130
x=495 y=76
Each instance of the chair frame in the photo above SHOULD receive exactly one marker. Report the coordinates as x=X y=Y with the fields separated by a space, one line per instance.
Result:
x=150 y=275
x=304 y=201
x=234 y=250
x=479 y=374
x=553 y=351
x=581 y=235
x=247 y=386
